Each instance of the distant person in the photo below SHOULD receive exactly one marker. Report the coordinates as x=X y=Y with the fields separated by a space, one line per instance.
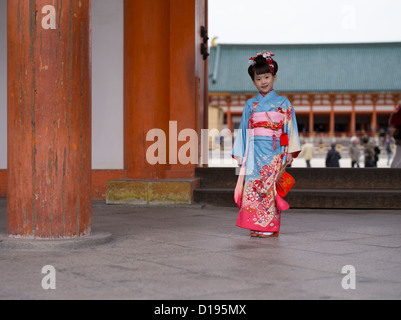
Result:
x=364 y=138
x=382 y=137
x=397 y=156
x=354 y=152
x=333 y=157
x=395 y=122
x=370 y=154
x=307 y=153
x=389 y=151
x=377 y=152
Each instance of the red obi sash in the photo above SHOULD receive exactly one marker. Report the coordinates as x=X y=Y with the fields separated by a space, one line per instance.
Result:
x=269 y=124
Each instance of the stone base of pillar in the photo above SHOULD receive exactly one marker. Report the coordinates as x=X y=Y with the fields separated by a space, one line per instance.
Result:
x=151 y=193
x=95 y=239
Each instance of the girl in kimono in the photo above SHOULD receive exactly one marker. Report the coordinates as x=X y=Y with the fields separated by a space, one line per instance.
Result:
x=266 y=142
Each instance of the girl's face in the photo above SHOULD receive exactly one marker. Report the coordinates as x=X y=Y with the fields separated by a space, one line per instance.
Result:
x=264 y=82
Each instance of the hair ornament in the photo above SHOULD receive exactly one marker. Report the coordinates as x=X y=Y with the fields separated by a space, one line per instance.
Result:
x=267 y=55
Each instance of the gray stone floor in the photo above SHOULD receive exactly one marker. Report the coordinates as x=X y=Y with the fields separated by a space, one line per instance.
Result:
x=198 y=253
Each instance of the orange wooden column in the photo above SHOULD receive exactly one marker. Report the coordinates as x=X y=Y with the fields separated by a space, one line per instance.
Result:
x=353 y=115
x=229 y=115
x=49 y=119
x=163 y=82
x=187 y=74
x=311 y=99
x=374 y=114
x=146 y=82
x=396 y=100
x=332 y=100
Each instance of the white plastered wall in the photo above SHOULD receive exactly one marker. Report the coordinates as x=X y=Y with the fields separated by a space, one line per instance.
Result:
x=107 y=84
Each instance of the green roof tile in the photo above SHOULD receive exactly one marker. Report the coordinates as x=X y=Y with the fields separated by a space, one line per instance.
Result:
x=374 y=67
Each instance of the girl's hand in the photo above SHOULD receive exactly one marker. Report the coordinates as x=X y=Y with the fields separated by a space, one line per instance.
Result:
x=239 y=160
x=290 y=159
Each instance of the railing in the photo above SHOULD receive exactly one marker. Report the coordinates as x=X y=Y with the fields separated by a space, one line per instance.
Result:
x=342 y=135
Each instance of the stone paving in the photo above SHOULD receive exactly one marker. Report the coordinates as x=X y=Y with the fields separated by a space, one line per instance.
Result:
x=197 y=253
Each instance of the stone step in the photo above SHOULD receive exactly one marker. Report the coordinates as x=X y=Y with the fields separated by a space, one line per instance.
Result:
x=346 y=178
x=218 y=196
x=344 y=199
x=314 y=178
x=217 y=177
x=312 y=198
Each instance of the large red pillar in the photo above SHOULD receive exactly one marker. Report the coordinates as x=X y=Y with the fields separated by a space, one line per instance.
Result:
x=146 y=82
x=49 y=119
x=186 y=77
x=164 y=80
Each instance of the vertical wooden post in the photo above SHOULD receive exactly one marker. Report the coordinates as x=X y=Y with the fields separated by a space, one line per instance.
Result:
x=164 y=90
x=353 y=115
x=311 y=99
x=374 y=114
x=229 y=114
x=49 y=119
x=396 y=100
x=146 y=82
x=332 y=116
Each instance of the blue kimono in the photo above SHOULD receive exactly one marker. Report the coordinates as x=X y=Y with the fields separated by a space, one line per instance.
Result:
x=267 y=133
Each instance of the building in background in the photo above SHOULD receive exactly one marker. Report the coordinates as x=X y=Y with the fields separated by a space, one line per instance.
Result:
x=338 y=90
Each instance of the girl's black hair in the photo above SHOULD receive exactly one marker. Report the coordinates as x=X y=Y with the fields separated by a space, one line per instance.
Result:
x=261 y=66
